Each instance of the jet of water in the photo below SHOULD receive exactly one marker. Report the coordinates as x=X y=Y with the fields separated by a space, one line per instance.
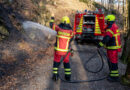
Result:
x=36 y=30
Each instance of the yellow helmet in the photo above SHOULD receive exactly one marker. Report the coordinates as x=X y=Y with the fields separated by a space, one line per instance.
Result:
x=110 y=17
x=65 y=19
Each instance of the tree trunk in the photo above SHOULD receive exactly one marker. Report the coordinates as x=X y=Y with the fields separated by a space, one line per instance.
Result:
x=126 y=52
x=126 y=17
x=102 y=2
x=111 y=5
x=123 y=5
x=125 y=79
x=118 y=5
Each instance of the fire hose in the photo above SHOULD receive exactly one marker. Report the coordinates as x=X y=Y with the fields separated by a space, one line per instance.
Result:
x=81 y=81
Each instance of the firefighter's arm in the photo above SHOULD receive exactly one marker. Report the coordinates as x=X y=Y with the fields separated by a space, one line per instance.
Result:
x=72 y=37
x=108 y=35
x=104 y=41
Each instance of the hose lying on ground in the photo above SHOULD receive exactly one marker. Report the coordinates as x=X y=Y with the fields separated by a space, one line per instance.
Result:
x=80 y=81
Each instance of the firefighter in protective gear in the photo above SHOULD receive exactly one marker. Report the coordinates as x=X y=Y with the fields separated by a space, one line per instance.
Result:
x=52 y=25
x=112 y=43
x=62 y=45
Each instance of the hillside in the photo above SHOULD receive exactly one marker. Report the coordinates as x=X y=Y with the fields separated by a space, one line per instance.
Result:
x=62 y=8
x=19 y=54
x=25 y=64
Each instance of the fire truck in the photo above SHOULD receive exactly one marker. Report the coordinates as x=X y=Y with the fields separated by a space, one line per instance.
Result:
x=89 y=25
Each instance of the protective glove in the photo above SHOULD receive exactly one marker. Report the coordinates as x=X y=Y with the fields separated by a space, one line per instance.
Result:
x=100 y=44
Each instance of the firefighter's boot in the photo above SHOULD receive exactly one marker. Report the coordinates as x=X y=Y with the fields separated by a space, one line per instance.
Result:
x=67 y=71
x=114 y=74
x=55 y=76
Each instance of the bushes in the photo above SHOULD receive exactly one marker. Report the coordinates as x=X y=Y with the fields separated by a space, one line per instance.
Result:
x=3 y=32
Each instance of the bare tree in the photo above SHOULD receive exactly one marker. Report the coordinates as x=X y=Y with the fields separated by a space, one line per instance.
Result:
x=102 y=2
x=123 y=5
x=126 y=51
x=111 y=5
x=118 y=5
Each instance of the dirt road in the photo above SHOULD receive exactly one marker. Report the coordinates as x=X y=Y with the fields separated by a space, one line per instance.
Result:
x=42 y=80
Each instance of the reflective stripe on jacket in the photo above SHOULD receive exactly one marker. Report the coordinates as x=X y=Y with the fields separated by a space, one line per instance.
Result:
x=112 y=38
x=62 y=40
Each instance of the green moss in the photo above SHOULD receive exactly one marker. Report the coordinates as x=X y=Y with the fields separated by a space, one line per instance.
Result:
x=3 y=30
x=4 y=33
x=125 y=80
x=85 y=1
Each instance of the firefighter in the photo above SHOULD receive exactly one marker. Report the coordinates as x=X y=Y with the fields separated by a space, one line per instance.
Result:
x=62 y=45
x=112 y=43
x=52 y=25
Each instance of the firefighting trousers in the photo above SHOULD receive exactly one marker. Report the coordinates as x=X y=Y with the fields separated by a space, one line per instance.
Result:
x=113 y=58
x=58 y=57
x=112 y=55
x=56 y=64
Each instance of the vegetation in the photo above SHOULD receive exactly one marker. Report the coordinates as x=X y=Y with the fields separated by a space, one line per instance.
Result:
x=85 y=1
x=20 y=50
x=126 y=52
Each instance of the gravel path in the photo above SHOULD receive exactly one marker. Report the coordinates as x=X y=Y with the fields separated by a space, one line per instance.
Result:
x=42 y=81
